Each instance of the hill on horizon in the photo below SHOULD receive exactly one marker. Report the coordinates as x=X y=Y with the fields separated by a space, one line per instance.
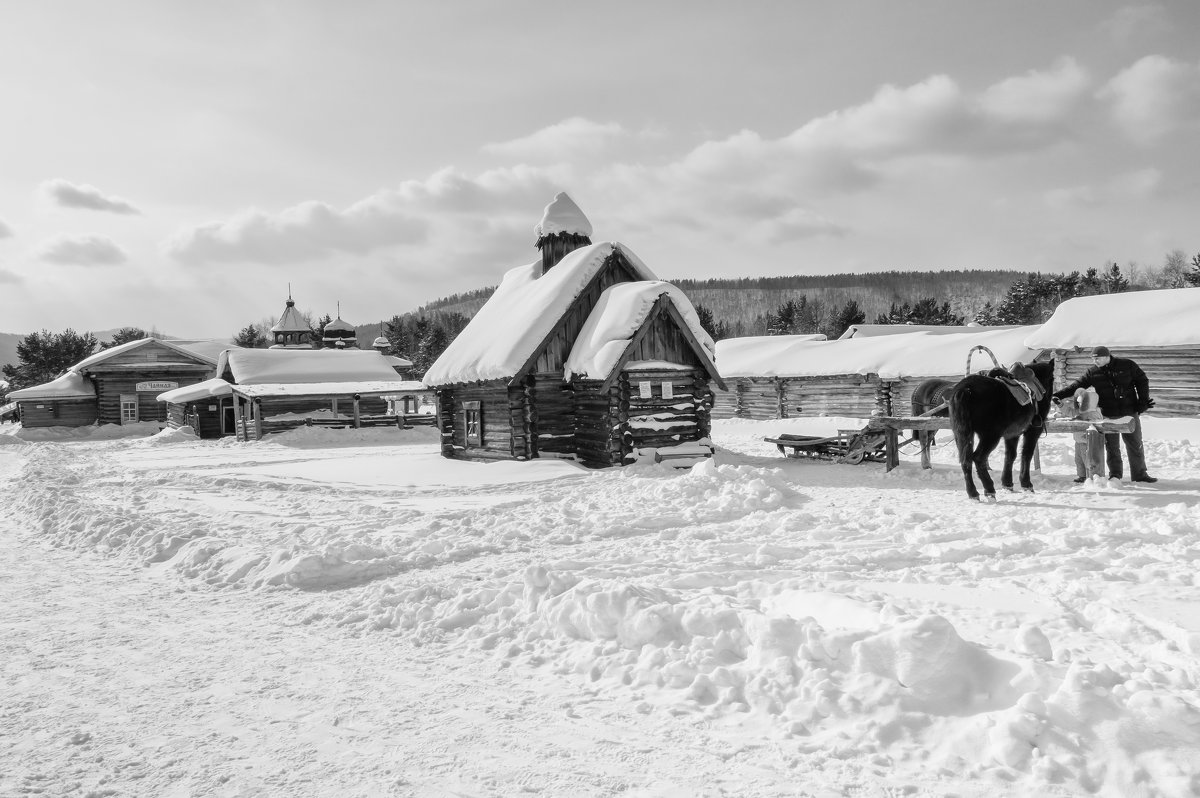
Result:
x=746 y=300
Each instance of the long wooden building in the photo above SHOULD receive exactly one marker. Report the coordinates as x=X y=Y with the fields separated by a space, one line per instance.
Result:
x=119 y=385
x=582 y=354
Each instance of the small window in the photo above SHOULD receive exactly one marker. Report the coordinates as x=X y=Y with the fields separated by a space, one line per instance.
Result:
x=129 y=409
x=473 y=421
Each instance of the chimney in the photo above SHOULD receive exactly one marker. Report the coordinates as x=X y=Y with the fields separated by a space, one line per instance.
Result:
x=563 y=229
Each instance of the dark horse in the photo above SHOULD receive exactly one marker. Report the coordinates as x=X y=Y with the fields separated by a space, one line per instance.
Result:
x=928 y=395
x=985 y=407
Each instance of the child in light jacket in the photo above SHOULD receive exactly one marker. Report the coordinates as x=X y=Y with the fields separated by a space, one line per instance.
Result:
x=1089 y=445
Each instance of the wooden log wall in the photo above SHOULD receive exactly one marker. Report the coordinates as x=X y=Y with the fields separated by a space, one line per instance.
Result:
x=58 y=413
x=659 y=421
x=496 y=403
x=1173 y=371
x=764 y=398
x=725 y=403
x=177 y=416
x=111 y=385
x=597 y=419
x=549 y=410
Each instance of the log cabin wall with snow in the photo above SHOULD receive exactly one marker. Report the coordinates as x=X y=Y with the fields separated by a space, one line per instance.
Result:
x=553 y=364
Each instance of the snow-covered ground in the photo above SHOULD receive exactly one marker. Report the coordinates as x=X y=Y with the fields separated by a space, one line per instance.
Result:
x=347 y=614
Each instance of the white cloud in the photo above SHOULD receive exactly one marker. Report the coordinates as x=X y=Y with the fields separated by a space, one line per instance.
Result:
x=87 y=250
x=8 y=277
x=69 y=195
x=1154 y=97
x=5 y=230
x=1037 y=96
x=562 y=142
x=1130 y=186
x=442 y=212
x=799 y=223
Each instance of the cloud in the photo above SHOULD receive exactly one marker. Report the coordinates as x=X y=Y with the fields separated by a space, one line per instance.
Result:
x=10 y=278
x=562 y=142
x=5 y=230
x=1130 y=24
x=1154 y=97
x=1130 y=186
x=85 y=197
x=448 y=206
x=1037 y=97
x=308 y=231
x=798 y=223
x=88 y=250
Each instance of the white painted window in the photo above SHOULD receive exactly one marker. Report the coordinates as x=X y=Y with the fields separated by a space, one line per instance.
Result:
x=129 y=408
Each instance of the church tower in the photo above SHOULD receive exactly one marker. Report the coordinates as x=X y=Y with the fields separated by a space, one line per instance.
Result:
x=291 y=331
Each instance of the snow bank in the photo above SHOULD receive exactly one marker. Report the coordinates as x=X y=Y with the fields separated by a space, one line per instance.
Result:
x=96 y=432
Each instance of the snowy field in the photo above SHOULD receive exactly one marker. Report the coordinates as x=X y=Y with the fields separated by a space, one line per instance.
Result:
x=336 y=613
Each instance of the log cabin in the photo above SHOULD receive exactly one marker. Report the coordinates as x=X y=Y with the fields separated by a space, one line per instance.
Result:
x=1159 y=330
x=789 y=376
x=119 y=385
x=582 y=354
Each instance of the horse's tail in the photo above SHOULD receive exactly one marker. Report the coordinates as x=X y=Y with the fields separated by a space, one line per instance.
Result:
x=960 y=412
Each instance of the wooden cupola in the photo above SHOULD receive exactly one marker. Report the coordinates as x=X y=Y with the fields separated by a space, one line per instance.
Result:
x=563 y=229
x=291 y=331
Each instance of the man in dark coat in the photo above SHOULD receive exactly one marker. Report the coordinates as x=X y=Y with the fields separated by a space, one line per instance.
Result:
x=1123 y=390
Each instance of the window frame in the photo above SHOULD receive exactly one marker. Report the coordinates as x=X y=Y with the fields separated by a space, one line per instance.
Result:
x=129 y=401
x=473 y=423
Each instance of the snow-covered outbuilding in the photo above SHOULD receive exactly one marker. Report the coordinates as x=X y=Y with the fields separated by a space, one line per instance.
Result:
x=118 y=385
x=875 y=330
x=582 y=354
x=1160 y=330
x=272 y=390
x=785 y=376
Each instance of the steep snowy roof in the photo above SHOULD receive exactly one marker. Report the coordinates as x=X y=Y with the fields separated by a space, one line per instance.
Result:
x=258 y=366
x=919 y=354
x=562 y=215
x=524 y=310
x=873 y=330
x=201 y=390
x=71 y=385
x=190 y=353
x=1168 y=317
x=291 y=320
x=618 y=314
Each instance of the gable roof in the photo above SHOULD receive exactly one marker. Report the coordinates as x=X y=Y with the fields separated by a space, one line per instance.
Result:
x=1166 y=317
x=608 y=333
x=874 y=330
x=526 y=307
x=304 y=366
x=71 y=385
x=201 y=390
x=105 y=354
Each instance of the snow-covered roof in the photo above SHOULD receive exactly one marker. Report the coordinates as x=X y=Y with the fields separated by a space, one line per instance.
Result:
x=8 y=409
x=520 y=314
x=192 y=350
x=918 y=354
x=1167 y=317
x=208 y=348
x=339 y=324
x=562 y=215
x=297 y=366
x=398 y=362
x=361 y=387
x=618 y=314
x=873 y=330
x=201 y=390
x=71 y=385
x=291 y=320
x=381 y=342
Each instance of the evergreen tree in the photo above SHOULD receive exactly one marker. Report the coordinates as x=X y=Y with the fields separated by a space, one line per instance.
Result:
x=1193 y=275
x=1114 y=281
x=431 y=347
x=124 y=336
x=319 y=329
x=251 y=337
x=43 y=356
x=842 y=320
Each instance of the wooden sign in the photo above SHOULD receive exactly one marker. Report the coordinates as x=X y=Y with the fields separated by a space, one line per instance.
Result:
x=161 y=385
x=668 y=391
x=646 y=389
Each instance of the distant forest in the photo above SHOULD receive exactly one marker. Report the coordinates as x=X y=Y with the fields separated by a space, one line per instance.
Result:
x=744 y=305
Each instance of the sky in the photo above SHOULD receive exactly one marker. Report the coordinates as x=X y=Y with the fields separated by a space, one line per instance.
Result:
x=179 y=166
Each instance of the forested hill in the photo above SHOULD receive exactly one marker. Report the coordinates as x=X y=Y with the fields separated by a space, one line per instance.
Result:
x=745 y=301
